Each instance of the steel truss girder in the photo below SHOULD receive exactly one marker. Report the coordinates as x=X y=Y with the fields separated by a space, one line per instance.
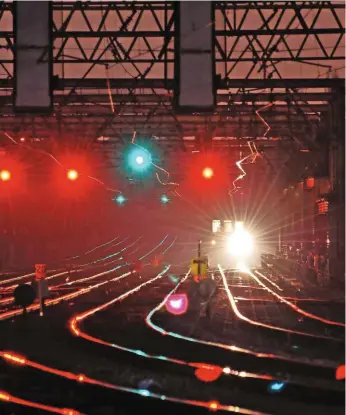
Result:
x=157 y=83
x=117 y=29
x=291 y=117
x=266 y=33
x=116 y=129
x=102 y=110
x=314 y=98
x=227 y=104
x=240 y=125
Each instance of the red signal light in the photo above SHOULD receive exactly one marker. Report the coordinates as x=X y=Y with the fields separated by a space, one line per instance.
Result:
x=72 y=175
x=208 y=173
x=310 y=183
x=5 y=175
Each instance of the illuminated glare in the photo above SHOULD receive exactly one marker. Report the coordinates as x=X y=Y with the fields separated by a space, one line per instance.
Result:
x=340 y=373
x=227 y=226
x=242 y=267
x=239 y=226
x=14 y=358
x=177 y=304
x=173 y=278
x=139 y=159
x=213 y=405
x=140 y=353
x=72 y=175
x=208 y=173
x=208 y=373
x=164 y=199
x=144 y=392
x=4 y=396
x=240 y=243
x=213 y=242
x=276 y=386
x=120 y=199
x=5 y=175
x=70 y=412
x=216 y=226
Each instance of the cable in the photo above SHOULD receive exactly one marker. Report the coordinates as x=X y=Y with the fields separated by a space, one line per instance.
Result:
x=7 y=398
x=153 y=164
x=213 y=405
x=252 y=157
x=109 y=90
x=260 y=324
x=60 y=164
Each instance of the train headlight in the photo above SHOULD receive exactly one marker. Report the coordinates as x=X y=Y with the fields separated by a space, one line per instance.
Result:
x=240 y=243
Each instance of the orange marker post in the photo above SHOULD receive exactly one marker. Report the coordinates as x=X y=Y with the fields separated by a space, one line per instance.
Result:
x=40 y=274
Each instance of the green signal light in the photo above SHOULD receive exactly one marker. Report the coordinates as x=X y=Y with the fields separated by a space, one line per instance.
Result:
x=120 y=199
x=139 y=159
x=165 y=199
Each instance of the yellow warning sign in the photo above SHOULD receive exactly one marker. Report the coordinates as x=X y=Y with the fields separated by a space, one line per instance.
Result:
x=199 y=267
